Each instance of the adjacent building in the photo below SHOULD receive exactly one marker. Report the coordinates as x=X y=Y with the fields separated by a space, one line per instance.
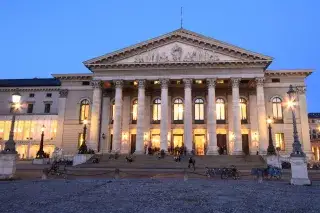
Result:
x=178 y=89
x=314 y=124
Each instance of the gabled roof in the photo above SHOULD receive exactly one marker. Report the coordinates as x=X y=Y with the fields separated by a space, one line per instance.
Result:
x=35 y=82
x=179 y=35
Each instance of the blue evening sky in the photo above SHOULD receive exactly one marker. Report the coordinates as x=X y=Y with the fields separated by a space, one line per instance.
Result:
x=38 y=38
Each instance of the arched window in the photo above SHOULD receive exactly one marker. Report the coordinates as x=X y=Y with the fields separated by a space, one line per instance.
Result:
x=156 y=110
x=243 y=109
x=220 y=109
x=134 y=111
x=178 y=109
x=199 y=109
x=277 y=108
x=84 y=110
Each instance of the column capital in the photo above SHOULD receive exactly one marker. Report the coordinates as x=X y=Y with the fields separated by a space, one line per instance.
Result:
x=187 y=82
x=259 y=81
x=301 y=90
x=235 y=82
x=164 y=83
x=96 y=84
x=63 y=93
x=211 y=82
x=118 y=83
x=142 y=83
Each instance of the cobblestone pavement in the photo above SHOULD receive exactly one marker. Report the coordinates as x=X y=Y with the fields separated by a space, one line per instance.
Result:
x=156 y=195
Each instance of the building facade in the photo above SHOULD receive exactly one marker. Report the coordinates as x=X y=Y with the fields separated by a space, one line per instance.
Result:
x=178 y=89
x=314 y=124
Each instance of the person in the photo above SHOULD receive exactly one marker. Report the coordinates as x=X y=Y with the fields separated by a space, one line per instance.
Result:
x=192 y=162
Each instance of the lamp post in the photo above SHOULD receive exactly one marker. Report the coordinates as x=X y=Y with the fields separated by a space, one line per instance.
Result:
x=271 y=150
x=10 y=145
x=296 y=151
x=83 y=148
x=40 y=153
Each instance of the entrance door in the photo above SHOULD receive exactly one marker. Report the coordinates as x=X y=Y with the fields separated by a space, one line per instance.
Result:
x=222 y=144
x=199 y=141
x=245 y=144
x=133 y=143
x=177 y=141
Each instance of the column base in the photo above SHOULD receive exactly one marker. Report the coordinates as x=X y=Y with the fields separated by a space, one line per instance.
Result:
x=299 y=172
x=212 y=152
x=237 y=153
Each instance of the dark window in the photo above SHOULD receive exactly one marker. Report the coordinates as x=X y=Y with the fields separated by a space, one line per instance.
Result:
x=30 y=108
x=31 y=95
x=275 y=80
x=49 y=95
x=47 y=108
x=244 y=81
x=85 y=83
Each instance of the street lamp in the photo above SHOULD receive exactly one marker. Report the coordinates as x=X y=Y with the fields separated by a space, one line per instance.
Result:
x=10 y=145
x=296 y=151
x=83 y=148
x=40 y=153
x=271 y=150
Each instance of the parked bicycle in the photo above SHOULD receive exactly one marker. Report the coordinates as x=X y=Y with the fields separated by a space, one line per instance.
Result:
x=231 y=172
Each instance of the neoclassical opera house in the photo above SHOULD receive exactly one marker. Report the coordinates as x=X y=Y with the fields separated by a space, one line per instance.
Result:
x=178 y=89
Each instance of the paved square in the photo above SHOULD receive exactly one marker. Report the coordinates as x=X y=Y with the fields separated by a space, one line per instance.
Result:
x=154 y=195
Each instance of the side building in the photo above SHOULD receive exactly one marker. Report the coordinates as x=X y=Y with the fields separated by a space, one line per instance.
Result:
x=314 y=125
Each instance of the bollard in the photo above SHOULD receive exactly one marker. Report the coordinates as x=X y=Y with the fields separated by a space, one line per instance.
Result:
x=185 y=176
x=44 y=174
x=116 y=174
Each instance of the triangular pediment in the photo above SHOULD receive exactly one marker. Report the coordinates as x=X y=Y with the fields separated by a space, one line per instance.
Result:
x=179 y=46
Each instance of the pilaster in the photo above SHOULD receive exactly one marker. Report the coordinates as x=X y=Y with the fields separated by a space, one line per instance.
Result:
x=61 y=114
x=105 y=123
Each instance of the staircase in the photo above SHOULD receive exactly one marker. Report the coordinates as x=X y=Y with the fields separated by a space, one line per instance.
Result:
x=152 y=162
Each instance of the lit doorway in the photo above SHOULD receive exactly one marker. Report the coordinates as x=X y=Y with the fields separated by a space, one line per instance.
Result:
x=199 y=144
x=177 y=141
x=133 y=143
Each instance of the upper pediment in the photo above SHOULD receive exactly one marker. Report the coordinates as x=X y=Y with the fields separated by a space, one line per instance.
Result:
x=180 y=46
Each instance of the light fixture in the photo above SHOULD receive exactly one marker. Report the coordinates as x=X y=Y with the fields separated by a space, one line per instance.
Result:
x=16 y=97
x=269 y=120
x=85 y=121
x=43 y=128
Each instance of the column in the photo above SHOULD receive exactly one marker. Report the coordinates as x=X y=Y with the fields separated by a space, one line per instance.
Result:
x=164 y=115
x=262 y=118
x=211 y=118
x=254 y=146
x=141 y=116
x=61 y=114
x=105 y=122
x=306 y=144
x=117 y=118
x=95 y=116
x=187 y=116
x=236 y=117
x=230 y=135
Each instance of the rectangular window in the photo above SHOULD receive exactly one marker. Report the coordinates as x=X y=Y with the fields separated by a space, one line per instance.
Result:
x=31 y=95
x=198 y=112
x=275 y=80
x=220 y=81
x=49 y=95
x=47 y=108
x=156 y=112
x=30 y=108
x=198 y=81
x=156 y=82
x=85 y=83
x=280 y=141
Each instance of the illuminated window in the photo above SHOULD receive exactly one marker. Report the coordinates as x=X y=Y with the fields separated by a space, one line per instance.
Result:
x=220 y=109
x=277 y=108
x=155 y=141
x=156 y=82
x=243 y=109
x=134 y=111
x=178 y=109
x=156 y=110
x=135 y=83
x=280 y=141
x=199 y=109
x=80 y=139
x=84 y=110
x=220 y=81
x=198 y=81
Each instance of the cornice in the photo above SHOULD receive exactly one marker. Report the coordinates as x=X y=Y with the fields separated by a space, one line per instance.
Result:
x=73 y=77
x=178 y=65
x=304 y=73
x=27 y=89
